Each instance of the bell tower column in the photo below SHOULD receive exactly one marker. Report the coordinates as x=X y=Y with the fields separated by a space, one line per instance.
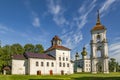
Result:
x=99 y=48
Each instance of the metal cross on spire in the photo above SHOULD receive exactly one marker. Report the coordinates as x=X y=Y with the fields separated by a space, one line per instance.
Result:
x=98 y=18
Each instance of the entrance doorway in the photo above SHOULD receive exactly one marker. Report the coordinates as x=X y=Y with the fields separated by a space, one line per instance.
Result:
x=39 y=72
x=51 y=72
x=62 y=72
x=99 y=67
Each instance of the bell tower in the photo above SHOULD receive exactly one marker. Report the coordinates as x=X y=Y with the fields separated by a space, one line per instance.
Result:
x=56 y=41
x=99 y=48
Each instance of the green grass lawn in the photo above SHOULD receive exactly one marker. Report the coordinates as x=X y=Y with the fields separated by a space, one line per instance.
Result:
x=77 y=76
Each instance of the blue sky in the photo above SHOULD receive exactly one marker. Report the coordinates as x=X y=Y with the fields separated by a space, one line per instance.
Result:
x=37 y=21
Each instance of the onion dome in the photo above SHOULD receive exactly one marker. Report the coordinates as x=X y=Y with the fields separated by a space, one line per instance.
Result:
x=98 y=25
x=77 y=55
x=84 y=52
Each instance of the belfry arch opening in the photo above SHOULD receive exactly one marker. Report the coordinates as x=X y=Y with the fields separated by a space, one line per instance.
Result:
x=99 y=54
x=99 y=67
x=98 y=38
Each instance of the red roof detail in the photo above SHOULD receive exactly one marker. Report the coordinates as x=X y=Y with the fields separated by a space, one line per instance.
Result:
x=6 y=68
x=18 y=56
x=56 y=38
x=38 y=55
x=32 y=55
x=98 y=27
x=57 y=47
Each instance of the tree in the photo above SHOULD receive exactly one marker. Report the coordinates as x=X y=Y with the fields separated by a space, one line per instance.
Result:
x=38 y=48
x=5 y=56
x=29 y=48
x=17 y=49
x=1 y=60
x=113 y=65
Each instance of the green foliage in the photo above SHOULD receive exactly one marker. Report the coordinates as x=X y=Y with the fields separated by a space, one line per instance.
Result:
x=17 y=49
x=38 y=48
x=29 y=48
x=8 y=50
x=113 y=65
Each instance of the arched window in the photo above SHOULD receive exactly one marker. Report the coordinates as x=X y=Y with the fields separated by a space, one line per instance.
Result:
x=98 y=53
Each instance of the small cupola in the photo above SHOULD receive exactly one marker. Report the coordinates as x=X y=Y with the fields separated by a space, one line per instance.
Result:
x=84 y=52
x=77 y=56
x=56 y=41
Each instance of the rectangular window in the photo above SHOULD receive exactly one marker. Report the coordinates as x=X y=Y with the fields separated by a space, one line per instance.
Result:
x=42 y=64
x=60 y=58
x=47 y=63
x=63 y=58
x=67 y=64
x=66 y=59
x=86 y=65
x=52 y=64
x=37 y=64
x=60 y=64
x=63 y=64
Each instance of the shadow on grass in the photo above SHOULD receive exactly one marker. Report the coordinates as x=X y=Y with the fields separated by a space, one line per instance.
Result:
x=47 y=79
x=86 y=78
x=96 y=78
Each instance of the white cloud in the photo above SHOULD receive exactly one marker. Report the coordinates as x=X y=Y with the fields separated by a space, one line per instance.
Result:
x=114 y=50
x=58 y=13
x=5 y=29
x=84 y=11
x=74 y=36
x=36 y=22
x=106 y=5
x=34 y=15
x=72 y=39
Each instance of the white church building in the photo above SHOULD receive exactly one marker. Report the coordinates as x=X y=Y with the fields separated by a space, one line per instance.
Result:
x=55 y=60
x=83 y=64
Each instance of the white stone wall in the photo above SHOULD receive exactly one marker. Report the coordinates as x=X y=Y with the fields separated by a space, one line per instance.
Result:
x=28 y=66
x=87 y=65
x=18 y=66
x=64 y=54
x=44 y=69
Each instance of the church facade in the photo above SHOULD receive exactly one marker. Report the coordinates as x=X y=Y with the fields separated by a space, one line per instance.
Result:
x=55 y=60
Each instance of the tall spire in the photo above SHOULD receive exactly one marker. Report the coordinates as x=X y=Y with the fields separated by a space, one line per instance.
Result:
x=98 y=18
